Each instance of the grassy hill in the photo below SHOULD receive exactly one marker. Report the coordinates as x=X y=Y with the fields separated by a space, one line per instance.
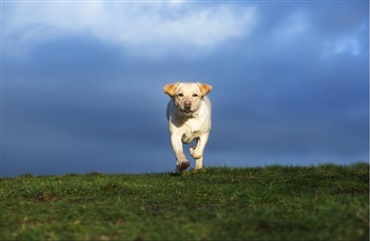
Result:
x=326 y=202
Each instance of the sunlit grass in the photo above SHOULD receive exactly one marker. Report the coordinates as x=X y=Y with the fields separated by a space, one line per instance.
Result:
x=327 y=202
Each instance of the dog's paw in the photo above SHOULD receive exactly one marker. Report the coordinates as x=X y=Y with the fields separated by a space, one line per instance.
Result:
x=192 y=150
x=195 y=153
x=183 y=165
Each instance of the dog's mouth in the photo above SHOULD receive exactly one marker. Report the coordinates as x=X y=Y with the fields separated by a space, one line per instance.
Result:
x=186 y=111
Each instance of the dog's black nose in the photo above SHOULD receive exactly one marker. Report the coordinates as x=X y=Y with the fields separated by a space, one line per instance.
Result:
x=187 y=104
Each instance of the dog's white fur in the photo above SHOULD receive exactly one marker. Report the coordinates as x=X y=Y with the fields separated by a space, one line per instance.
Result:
x=189 y=118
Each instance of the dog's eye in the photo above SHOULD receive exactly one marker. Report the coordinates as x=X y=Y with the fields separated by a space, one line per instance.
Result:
x=181 y=95
x=195 y=95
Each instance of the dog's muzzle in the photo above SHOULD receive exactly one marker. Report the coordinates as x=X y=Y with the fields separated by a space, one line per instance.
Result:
x=187 y=107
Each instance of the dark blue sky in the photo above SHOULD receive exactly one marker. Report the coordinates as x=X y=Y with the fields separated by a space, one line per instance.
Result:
x=82 y=83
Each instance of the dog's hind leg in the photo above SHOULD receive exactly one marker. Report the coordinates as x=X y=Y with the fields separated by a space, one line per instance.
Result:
x=197 y=151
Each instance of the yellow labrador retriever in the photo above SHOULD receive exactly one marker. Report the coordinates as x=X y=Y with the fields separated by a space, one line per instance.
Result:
x=189 y=118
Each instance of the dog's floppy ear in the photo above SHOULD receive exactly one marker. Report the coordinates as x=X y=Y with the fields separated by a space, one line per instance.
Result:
x=170 y=89
x=204 y=88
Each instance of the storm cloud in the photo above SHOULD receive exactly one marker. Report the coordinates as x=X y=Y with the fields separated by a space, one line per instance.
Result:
x=82 y=83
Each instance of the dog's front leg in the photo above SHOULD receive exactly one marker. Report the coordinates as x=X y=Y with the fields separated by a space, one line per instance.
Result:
x=181 y=162
x=197 y=151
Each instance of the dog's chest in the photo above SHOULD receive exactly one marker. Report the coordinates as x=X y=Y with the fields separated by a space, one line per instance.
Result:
x=192 y=130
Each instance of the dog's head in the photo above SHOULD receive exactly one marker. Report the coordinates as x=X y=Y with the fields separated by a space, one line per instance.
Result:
x=187 y=96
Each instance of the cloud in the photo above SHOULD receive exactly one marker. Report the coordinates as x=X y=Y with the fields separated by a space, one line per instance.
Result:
x=347 y=44
x=154 y=28
x=292 y=26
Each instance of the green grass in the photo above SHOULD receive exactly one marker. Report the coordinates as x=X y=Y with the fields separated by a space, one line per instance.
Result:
x=326 y=202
